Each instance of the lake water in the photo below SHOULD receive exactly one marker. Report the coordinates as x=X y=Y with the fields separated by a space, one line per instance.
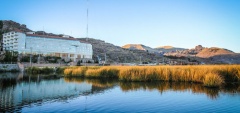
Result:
x=36 y=94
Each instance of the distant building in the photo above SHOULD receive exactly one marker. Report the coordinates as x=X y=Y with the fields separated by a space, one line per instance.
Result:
x=31 y=43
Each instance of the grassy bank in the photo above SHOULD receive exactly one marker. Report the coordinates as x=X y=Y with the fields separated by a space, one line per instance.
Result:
x=44 y=70
x=209 y=75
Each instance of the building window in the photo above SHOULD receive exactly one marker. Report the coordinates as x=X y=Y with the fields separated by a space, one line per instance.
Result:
x=71 y=55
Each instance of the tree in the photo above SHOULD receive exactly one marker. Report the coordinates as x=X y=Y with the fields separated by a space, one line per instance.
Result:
x=1 y=24
x=10 y=56
x=79 y=63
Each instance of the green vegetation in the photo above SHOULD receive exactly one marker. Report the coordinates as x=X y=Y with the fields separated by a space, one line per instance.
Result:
x=60 y=70
x=37 y=70
x=10 y=56
x=45 y=70
x=25 y=59
x=1 y=32
x=52 y=59
x=1 y=24
x=208 y=75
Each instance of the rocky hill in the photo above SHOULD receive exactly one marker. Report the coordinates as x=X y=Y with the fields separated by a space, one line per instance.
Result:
x=212 y=55
x=201 y=52
x=9 y=25
x=185 y=52
x=213 y=51
x=118 y=54
x=139 y=47
x=225 y=59
x=161 y=49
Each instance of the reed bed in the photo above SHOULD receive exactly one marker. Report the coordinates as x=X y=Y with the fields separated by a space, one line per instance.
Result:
x=209 y=75
x=212 y=79
x=104 y=72
x=78 y=71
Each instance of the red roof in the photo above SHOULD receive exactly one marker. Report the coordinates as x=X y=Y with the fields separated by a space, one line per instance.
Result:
x=53 y=37
x=17 y=30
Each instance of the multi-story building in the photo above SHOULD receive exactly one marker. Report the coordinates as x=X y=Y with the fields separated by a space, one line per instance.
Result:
x=31 y=43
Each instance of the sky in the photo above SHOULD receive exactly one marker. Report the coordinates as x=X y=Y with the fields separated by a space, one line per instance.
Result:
x=154 y=23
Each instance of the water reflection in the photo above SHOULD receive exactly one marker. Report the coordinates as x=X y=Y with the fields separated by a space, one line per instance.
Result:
x=18 y=90
x=16 y=93
x=212 y=93
x=104 y=83
x=166 y=86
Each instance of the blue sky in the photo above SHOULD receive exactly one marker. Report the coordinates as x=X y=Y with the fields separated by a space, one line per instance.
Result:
x=179 y=23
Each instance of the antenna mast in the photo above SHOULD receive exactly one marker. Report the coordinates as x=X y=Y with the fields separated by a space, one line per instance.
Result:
x=87 y=20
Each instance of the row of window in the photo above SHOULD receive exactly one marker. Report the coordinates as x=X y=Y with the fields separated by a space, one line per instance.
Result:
x=10 y=47
x=10 y=33
x=10 y=40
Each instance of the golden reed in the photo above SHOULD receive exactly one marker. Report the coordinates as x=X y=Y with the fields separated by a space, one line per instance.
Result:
x=209 y=75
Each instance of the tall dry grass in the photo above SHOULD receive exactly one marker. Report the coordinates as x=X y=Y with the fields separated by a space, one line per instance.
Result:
x=212 y=80
x=104 y=72
x=209 y=75
x=77 y=70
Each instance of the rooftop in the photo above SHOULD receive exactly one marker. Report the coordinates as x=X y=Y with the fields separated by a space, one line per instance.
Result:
x=53 y=37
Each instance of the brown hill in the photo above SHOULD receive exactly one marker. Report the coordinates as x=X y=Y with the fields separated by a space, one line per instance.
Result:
x=139 y=47
x=134 y=46
x=213 y=51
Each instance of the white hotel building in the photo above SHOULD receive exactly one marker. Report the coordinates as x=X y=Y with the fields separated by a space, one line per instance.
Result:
x=31 y=43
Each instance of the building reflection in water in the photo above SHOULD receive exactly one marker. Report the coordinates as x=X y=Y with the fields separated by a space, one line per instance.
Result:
x=18 y=90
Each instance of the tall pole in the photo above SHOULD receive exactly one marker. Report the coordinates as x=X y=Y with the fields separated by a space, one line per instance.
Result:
x=87 y=21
